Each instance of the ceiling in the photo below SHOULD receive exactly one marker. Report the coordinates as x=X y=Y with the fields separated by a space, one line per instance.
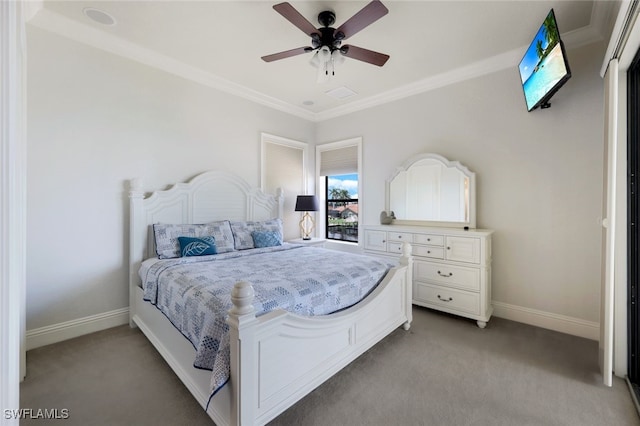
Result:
x=220 y=43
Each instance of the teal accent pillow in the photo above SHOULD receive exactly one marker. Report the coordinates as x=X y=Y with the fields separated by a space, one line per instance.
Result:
x=266 y=239
x=193 y=246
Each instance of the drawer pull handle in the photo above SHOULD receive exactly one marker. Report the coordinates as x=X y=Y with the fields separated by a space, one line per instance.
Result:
x=450 y=274
x=428 y=251
x=450 y=299
x=448 y=248
x=428 y=239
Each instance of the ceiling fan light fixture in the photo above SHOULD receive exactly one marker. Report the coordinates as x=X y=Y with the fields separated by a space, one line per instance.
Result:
x=315 y=61
x=324 y=54
x=337 y=57
x=326 y=60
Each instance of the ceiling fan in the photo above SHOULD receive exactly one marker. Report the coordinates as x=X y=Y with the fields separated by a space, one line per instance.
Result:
x=327 y=41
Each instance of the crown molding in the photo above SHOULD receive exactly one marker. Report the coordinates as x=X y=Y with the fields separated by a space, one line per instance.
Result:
x=79 y=32
x=572 y=39
x=467 y=72
x=58 y=24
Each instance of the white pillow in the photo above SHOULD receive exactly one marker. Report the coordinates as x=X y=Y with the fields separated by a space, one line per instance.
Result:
x=168 y=246
x=242 y=231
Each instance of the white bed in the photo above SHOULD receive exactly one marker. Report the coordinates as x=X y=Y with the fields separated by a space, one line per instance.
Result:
x=276 y=358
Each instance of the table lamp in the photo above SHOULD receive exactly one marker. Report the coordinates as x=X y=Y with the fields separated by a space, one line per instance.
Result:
x=306 y=204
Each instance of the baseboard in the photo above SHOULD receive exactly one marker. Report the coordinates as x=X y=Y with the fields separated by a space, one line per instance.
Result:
x=564 y=324
x=68 y=330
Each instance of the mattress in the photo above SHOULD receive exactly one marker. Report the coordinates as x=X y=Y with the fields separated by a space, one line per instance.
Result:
x=194 y=292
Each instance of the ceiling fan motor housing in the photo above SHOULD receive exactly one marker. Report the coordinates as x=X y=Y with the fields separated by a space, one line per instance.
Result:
x=328 y=35
x=326 y=18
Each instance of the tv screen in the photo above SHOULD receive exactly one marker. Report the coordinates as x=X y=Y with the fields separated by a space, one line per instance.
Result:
x=544 y=67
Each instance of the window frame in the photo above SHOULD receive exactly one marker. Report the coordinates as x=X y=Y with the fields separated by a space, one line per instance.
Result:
x=321 y=189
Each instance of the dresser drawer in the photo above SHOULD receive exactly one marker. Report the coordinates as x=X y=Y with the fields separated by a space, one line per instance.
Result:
x=449 y=298
x=433 y=240
x=399 y=236
x=448 y=275
x=395 y=248
x=428 y=251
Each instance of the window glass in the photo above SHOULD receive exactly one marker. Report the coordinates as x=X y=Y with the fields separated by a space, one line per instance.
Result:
x=342 y=207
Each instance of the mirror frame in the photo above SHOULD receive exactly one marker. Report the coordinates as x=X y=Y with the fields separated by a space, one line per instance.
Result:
x=446 y=163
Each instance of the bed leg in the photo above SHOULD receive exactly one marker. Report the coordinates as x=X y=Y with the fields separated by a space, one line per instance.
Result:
x=407 y=260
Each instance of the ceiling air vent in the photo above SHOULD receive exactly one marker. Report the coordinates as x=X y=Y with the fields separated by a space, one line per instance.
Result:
x=341 y=92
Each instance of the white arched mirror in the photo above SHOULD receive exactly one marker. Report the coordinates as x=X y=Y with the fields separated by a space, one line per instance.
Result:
x=430 y=190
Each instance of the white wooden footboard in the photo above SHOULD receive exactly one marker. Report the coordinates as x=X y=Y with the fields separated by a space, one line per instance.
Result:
x=278 y=358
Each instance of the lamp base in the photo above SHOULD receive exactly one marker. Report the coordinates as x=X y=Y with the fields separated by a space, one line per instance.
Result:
x=306 y=226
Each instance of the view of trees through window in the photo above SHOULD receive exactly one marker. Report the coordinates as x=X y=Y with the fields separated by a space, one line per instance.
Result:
x=342 y=207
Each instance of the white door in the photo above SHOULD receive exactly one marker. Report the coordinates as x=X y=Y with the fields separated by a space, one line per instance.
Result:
x=609 y=224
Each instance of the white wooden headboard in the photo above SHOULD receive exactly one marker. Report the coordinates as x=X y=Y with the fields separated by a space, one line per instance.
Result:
x=210 y=196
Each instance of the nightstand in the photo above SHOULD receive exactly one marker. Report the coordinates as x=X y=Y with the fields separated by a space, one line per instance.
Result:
x=316 y=242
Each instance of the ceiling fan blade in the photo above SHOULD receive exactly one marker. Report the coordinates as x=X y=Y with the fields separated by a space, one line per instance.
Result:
x=364 y=55
x=365 y=17
x=293 y=16
x=286 y=54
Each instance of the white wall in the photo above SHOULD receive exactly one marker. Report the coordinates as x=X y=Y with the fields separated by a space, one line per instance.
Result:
x=96 y=120
x=539 y=175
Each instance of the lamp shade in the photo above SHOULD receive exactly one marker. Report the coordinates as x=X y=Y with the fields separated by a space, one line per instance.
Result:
x=307 y=203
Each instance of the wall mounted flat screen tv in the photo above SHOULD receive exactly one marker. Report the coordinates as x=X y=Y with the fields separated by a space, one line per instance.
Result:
x=544 y=67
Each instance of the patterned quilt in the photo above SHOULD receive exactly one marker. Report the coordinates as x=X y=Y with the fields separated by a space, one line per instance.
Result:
x=195 y=292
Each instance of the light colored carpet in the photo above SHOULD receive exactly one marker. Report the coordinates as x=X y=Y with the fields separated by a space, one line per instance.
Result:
x=444 y=371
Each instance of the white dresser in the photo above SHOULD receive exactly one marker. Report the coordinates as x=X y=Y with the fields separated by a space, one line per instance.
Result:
x=451 y=269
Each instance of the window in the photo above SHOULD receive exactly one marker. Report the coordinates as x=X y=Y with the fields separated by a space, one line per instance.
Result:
x=342 y=207
x=339 y=183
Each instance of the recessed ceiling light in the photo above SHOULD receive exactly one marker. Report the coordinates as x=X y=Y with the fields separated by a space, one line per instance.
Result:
x=341 y=92
x=307 y=103
x=99 y=16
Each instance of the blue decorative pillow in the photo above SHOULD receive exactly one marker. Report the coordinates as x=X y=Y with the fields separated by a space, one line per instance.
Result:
x=266 y=239
x=192 y=246
x=242 y=231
